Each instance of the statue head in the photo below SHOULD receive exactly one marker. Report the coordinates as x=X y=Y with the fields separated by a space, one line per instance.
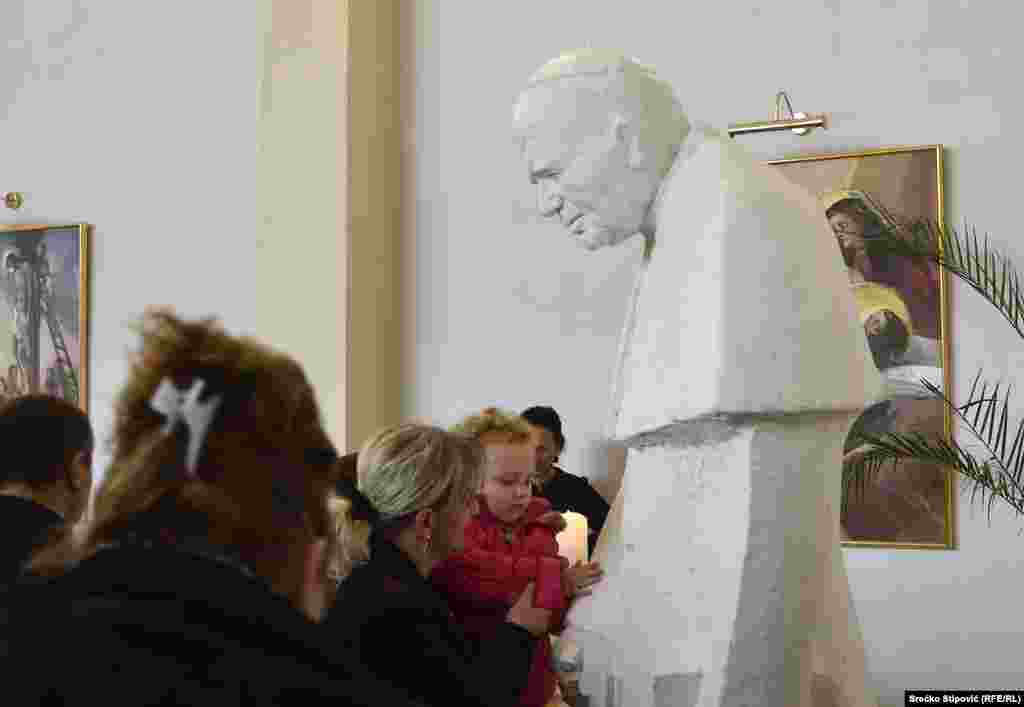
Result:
x=599 y=132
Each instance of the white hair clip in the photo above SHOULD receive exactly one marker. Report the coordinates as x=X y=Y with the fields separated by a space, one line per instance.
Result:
x=184 y=406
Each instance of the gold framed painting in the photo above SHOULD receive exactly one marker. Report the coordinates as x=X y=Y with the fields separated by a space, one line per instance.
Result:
x=44 y=311
x=902 y=304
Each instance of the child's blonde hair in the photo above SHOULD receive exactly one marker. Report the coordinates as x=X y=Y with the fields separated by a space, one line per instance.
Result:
x=494 y=425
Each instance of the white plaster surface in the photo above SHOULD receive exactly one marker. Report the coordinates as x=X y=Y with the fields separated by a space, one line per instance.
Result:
x=742 y=308
x=723 y=562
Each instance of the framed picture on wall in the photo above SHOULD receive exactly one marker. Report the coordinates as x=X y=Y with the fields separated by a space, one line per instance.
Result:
x=902 y=304
x=44 y=311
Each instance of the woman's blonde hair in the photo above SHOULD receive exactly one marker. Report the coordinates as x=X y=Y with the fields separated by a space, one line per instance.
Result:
x=353 y=536
x=494 y=425
x=265 y=467
x=413 y=467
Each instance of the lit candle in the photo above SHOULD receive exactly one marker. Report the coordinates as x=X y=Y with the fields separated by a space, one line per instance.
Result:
x=572 y=542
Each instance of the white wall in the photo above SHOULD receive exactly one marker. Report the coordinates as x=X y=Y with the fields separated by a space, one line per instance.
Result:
x=206 y=144
x=139 y=119
x=510 y=313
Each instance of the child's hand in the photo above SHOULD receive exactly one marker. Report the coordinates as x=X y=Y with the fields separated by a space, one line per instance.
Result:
x=552 y=519
x=578 y=580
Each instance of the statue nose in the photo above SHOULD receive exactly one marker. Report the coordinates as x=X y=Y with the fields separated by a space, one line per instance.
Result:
x=549 y=200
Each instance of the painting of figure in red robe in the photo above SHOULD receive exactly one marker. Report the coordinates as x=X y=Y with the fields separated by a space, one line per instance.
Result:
x=902 y=306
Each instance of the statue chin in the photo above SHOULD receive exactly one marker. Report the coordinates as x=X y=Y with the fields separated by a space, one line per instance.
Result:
x=597 y=238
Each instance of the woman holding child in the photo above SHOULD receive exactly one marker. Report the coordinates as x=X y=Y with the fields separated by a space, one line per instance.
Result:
x=437 y=592
x=417 y=488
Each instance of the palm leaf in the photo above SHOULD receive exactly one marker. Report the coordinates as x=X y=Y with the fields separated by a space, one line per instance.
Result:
x=995 y=471
x=985 y=270
x=994 y=474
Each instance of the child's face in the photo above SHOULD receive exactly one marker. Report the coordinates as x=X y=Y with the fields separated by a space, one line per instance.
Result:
x=507 y=480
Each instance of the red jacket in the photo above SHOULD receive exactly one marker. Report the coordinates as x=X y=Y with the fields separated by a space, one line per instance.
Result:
x=487 y=577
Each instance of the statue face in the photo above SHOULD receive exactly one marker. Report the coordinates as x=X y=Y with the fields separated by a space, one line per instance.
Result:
x=582 y=157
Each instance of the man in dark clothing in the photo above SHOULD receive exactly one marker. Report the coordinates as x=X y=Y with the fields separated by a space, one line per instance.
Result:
x=45 y=483
x=565 y=491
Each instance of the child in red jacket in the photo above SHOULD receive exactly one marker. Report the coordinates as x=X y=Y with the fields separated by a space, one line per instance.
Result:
x=509 y=543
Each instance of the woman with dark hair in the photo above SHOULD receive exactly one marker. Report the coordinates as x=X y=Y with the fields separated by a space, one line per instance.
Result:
x=203 y=570
x=565 y=491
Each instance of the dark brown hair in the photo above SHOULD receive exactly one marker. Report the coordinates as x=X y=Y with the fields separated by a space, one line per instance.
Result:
x=546 y=417
x=265 y=465
x=41 y=434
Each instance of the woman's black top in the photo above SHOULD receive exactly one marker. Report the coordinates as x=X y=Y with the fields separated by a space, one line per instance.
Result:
x=146 y=624
x=404 y=631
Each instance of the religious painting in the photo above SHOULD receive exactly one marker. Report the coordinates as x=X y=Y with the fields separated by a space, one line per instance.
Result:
x=902 y=306
x=44 y=304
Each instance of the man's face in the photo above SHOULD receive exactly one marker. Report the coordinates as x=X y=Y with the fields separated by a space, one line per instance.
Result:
x=545 y=447
x=578 y=154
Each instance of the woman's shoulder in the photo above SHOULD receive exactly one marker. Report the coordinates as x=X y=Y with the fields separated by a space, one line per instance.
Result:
x=372 y=593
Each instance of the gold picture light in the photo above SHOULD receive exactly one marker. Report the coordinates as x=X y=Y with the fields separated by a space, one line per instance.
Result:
x=799 y=123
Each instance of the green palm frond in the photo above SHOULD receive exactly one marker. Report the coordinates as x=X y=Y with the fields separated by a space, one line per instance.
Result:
x=992 y=459
x=985 y=270
x=996 y=473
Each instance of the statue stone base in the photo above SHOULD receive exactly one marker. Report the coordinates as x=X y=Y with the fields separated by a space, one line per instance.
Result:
x=725 y=537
